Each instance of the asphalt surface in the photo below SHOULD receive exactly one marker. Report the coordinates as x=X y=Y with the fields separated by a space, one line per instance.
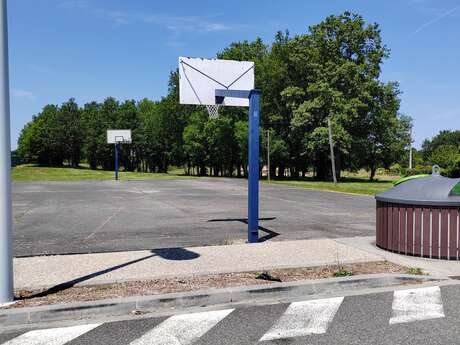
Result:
x=101 y=216
x=361 y=319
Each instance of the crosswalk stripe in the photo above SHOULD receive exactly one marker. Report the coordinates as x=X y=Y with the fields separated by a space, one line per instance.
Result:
x=52 y=336
x=304 y=318
x=182 y=329
x=417 y=304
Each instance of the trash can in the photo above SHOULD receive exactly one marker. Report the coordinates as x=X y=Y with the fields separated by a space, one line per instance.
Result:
x=420 y=217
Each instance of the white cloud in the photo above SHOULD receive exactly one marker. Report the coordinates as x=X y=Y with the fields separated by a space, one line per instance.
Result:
x=187 y=23
x=73 y=4
x=176 y=24
x=37 y=68
x=23 y=95
x=449 y=114
x=441 y=15
x=118 y=17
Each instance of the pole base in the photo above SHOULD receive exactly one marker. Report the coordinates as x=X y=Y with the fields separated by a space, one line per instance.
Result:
x=253 y=237
x=7 y=304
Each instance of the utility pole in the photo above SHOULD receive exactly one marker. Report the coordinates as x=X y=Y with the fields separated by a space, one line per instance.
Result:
x=410 y=148
x=331 y=145
x=6 y=253
x=268 y=156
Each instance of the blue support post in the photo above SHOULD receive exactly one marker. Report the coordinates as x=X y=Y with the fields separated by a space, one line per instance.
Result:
x=116 y=161
x=253 y=139
x=253 y=180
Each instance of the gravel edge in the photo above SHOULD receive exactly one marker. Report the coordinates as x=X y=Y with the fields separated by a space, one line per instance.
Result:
x=200 y=298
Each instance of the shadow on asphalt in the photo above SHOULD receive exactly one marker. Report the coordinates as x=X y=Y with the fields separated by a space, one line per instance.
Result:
x=168 y=254
x=176 y=254
x=270 y=233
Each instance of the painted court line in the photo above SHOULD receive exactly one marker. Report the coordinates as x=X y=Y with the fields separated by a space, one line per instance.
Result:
x=52 y=336
x=304 y=318
x=182 y=329
x=116 y=213
x=417 y=304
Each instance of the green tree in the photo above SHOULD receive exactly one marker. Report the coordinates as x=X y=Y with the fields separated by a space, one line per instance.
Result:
x=70 y=131
x=41 y=141
x=196 y=146
x=443 y=150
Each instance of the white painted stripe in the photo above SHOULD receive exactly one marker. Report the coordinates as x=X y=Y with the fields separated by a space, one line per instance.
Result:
x=52 y=336
x=417 y=304
x=304 y=318
x=182 y=329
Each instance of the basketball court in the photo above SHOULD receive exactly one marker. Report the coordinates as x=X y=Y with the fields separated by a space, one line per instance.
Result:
x=100 y=216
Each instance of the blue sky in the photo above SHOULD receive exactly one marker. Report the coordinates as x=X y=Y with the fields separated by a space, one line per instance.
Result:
x=92 y=49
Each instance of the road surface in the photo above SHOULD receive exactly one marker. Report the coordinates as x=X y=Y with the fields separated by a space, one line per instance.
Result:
x=427 y=315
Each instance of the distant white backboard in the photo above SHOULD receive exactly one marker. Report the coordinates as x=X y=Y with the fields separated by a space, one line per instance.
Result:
x=122 y=136
x=199 y=78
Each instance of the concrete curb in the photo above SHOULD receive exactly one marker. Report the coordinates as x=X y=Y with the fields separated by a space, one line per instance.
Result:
x=200 y=298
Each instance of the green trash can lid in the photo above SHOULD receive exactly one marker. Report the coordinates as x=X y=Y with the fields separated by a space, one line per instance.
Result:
x=433 y=190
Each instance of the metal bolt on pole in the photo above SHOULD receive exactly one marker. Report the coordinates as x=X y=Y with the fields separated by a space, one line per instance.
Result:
x=253 y=180
x=6 y=252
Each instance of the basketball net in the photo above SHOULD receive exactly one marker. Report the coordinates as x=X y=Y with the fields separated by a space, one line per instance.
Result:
x=213 y=111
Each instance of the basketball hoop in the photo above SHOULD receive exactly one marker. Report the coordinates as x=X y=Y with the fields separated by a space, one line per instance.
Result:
x=215 y=83
x=213 y=110
x=118 y=136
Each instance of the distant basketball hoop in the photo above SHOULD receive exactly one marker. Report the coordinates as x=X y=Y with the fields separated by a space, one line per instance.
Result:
x=117 y=137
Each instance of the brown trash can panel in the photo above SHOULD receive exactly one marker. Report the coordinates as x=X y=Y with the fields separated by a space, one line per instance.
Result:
x=444 y=233
x=410 y=230
x=395 y=234
x=402 y=229
x=379 y=233
x=453 y=238
x=426 y=232
x=418 y=231
x=390 y=226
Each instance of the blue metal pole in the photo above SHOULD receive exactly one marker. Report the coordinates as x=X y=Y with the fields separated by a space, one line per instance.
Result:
x=116 y=161
x=6 y=248
x=253 y=181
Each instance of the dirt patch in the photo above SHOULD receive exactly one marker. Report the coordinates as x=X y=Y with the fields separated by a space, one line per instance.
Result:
x=63 y=294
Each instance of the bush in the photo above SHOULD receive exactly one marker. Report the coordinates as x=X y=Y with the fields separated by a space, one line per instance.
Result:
x=453 y=170
x=418 y=170
x=396 y=169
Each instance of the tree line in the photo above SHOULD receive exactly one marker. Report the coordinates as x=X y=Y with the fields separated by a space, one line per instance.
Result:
x=443 y=150
x=330 y=72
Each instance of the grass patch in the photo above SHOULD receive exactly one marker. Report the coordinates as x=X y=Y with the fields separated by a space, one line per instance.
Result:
x=30 y=173
x=415 y=271
x=347 y=185
x=343 y=272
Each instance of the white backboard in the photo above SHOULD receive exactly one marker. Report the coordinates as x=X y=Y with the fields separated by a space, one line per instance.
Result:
x=122 y=136
x=199 y=78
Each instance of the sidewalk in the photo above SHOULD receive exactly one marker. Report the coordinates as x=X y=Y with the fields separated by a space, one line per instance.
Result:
x=87 y=269
x=47 y=271
x=435 y=267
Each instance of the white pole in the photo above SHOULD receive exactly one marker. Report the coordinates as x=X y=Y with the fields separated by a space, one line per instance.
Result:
x=268 y=155
x=331 y=145
x=6 y=252
x=410 y=149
